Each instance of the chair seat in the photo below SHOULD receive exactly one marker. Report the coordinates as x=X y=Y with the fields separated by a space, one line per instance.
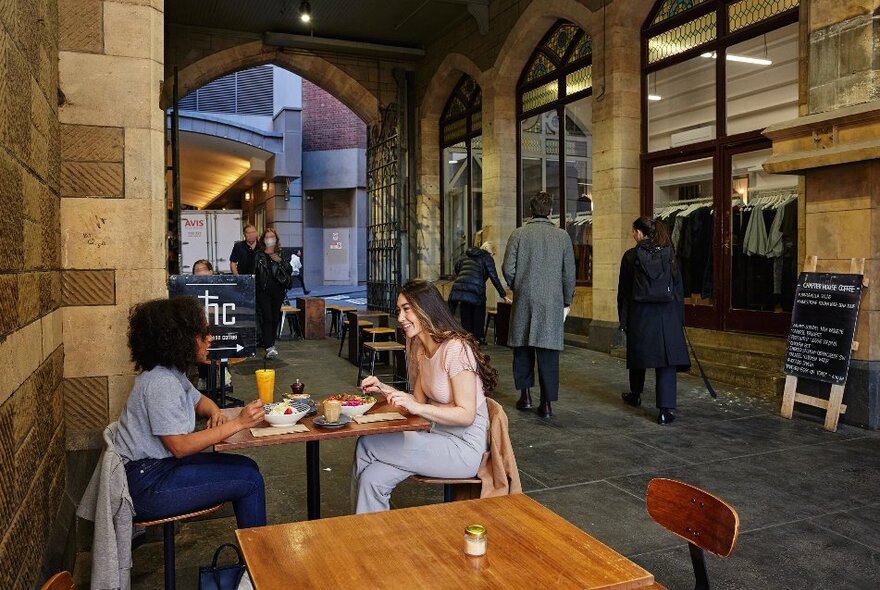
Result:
x=361 y=323
x=492 y=311
x=180 y=516
x=380 y=330
x=289 y=309
x=384 y=346
x=445 y=481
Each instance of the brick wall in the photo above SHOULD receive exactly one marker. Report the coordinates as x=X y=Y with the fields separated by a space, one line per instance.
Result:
x=32 y=474
x=327 y=123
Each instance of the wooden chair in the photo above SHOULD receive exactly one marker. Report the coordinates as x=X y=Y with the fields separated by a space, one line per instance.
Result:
x=168 y=539
x=60 y=581
x=468 y=488
x=706 y=522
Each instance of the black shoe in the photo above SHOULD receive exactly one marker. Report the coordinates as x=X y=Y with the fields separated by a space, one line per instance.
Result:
x=544 y=409
x=632 y=399
x=666 y=416
x=525 y=400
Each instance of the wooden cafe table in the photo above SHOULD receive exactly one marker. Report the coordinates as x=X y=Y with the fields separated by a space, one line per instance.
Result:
x=245 y=440
x=528 y=547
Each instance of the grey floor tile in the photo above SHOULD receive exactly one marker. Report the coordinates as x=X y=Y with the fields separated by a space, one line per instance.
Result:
x=860 y=525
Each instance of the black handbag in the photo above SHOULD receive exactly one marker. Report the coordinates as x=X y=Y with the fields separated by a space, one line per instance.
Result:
x=227 y=577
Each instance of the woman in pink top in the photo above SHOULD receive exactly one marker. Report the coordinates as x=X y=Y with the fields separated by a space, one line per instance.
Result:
x=449 y=377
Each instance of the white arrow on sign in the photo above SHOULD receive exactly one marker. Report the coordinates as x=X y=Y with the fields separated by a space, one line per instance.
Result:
x=238 y=348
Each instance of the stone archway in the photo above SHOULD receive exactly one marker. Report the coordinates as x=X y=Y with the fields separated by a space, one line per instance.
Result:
x=428 y=200
x=311 y=67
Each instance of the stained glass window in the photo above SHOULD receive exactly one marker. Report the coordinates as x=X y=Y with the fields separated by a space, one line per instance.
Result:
x=681 y=38
x=462 y=108
x=748 y=12
x=671 y=8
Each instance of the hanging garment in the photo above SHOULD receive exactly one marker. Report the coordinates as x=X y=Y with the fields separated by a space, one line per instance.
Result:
x=755 y=241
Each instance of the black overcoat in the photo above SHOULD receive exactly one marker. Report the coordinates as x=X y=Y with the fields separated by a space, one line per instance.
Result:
x=654 y=331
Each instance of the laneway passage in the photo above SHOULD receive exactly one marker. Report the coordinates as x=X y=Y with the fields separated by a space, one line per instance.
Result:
x=807 y=499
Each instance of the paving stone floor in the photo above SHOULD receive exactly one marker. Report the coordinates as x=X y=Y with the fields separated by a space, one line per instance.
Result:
x=807 y=499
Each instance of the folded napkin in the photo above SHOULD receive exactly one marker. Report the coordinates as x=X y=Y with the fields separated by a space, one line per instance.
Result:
x=381 y=417
x=272 y=430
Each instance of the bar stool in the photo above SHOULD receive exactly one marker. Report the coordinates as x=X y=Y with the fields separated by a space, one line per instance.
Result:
x=336 y=312
x=168 y=538
x=374 y=349
x=361 y=324
x=491 y=316
x=373 y=333
x=291 y=323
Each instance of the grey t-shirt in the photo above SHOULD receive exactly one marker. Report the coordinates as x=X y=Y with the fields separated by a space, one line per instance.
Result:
x=162 y=402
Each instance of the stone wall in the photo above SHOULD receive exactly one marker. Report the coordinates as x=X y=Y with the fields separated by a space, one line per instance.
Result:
x=32 y=474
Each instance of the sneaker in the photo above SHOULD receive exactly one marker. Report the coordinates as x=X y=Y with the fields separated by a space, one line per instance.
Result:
x=271 y=352
x=201 y=385
x=228 y=378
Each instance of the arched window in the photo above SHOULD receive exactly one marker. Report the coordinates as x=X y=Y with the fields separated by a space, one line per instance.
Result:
x=715 y=73
x=461 y=166
x=554 y=109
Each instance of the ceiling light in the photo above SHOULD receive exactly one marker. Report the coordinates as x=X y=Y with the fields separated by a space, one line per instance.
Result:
x=740 y=58
x=305 y=11
x=265 y=186
x=654 y=97
x=247 y=196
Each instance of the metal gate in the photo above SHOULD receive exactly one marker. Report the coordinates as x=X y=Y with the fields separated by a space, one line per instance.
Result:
x=386 y=210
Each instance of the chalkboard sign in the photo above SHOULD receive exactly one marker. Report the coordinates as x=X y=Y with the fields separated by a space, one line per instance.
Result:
x=823 y=325
x=229 y=302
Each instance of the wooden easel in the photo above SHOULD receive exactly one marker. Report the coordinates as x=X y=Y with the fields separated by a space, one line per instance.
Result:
x=834 y=405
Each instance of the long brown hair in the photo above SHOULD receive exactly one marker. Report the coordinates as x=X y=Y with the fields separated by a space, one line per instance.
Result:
x=441 y=325
x=261 y=243
x=653 y=229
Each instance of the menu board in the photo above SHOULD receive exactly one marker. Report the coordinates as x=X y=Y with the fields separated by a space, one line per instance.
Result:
x=823 y=324
x=229 y=302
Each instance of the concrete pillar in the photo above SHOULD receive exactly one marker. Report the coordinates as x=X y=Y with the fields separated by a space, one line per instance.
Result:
x=113 y=209
x=616 y=163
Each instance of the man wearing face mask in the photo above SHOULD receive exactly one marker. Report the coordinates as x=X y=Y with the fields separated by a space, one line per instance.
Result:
x=241 y=261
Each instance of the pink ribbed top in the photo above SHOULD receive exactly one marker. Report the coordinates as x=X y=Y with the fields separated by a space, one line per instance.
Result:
x=450 y=359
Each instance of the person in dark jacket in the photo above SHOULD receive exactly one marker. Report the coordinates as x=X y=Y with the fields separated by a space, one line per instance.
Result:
x=654 y=331
x=274 y=278
x=469 y=289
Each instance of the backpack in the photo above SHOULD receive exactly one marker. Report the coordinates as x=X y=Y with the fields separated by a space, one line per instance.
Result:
x=652 y=280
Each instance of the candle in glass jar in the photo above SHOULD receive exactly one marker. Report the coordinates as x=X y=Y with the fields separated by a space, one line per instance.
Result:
x=475 y=540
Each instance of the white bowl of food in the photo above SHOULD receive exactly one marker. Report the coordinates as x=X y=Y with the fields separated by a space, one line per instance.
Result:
x=354 y=405
x=285 y=413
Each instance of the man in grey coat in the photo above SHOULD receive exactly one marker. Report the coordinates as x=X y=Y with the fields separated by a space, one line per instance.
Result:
x=539 y=267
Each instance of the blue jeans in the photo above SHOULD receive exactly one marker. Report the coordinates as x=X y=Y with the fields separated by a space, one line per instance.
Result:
x=168 y=487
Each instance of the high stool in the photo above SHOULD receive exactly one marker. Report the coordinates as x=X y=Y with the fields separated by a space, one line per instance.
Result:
x=361 y=324
x=382 y=332
x=168 y=541
x=336 y=312
x=491 y=316
x=374 y=349
x=292 y=322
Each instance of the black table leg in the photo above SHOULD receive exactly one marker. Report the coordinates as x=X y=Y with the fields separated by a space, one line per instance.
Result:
x=313 y=479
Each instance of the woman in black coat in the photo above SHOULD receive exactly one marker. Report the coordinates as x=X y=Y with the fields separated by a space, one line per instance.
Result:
x=469 y=288
x=653 y=326
x=274 y=278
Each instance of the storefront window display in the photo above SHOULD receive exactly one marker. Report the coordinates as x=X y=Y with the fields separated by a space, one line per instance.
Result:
x=715 y=74
x=555 y=109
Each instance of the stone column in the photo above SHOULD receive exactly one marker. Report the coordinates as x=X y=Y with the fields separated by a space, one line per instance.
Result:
x=835 y=146
x=616 y=164
x=113 y=210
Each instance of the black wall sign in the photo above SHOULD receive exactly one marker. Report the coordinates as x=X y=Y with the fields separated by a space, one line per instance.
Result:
x=823 y=324
x=229 y=307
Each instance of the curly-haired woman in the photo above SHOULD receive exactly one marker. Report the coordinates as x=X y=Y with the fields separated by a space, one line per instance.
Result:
x=449 y=378
x=156 y=438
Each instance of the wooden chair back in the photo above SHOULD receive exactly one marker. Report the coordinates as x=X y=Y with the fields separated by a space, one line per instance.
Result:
x=60 y=581
x=693 y=514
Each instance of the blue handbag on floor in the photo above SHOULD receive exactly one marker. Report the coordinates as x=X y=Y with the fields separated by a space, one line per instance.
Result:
x=227 y=577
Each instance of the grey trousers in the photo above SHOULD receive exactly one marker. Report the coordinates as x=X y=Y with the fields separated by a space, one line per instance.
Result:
x=382 y=461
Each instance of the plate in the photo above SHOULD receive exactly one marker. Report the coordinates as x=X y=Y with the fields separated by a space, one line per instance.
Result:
x=343 y=420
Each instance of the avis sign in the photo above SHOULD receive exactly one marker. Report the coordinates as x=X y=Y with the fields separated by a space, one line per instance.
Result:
x=229 y=303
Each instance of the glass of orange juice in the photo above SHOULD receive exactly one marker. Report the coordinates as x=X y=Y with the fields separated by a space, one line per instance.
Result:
x=266 y=385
